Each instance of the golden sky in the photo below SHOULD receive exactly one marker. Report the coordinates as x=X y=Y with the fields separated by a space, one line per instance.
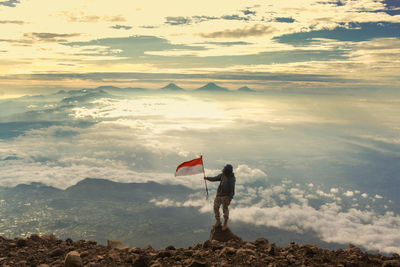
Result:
x=48 y=44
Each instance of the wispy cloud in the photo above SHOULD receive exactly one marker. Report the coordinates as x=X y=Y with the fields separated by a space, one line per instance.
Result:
x=204 y=18
x=50 y=37
x=287 y=20
x=248 y=31
x=45 y=37
x=234 y=17
x=174 y=21
x=248 y=12
x=19 y=22
x=228 y=43
x=10 y=3
x=124 y=27
x=72 y=17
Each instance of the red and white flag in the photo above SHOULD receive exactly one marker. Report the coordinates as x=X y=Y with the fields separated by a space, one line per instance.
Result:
x=193 y=166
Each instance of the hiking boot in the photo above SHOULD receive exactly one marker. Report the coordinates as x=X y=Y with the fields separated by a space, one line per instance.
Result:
x=217 y=223
x=225 y=225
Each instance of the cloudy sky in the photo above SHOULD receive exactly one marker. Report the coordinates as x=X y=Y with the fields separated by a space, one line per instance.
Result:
x=47 y=45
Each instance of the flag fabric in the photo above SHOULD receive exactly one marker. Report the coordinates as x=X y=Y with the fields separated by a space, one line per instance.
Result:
x=191 y=167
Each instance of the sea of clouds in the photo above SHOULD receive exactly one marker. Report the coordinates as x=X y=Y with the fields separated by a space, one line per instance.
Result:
x=324 y=165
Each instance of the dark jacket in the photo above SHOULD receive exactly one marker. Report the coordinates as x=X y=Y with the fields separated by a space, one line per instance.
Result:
x=226 y=186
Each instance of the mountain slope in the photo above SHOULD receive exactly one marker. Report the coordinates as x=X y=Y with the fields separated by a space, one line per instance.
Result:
x=172 y=87
x=212 y=87
x=51 y=251
x=245 y=89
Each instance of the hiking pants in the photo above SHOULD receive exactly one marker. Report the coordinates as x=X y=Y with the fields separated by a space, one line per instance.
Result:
x=224 y=201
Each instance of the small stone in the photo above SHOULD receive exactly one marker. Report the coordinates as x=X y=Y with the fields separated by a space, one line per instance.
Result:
x=224 y=263
x=34 y=237
x=306 y=250
x=114 y=255
x=198 y=263
x=207 y=244
x=84 y=254
x=21 y=263
x=21 y=242
x=391 y=263
x=227 y=251
x=249 y=245
x=135 y=250
x=261 y=241
x=139 y=261
x=164 y=253
x=57 y=262
x=245 y=252
x=73 y=259
x=116 y=244
x=215 y=244
x=156 y=264
x=271 y=249
x=170 y=248
x=56 y=252
x=353 y=249
x=188 y=253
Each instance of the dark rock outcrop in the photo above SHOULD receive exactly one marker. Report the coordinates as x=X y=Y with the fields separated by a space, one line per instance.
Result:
x=217 y=233
x=47 y=251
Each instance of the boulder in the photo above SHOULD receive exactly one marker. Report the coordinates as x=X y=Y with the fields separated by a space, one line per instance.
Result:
x=261 y=241
x=73 y=259
x=21 y=242
x=34 y=237
x=223 y=235
x=227 y=251
x=140 y=261
x=391 y=263
x=56 y=252
x=116 y=244
x=242 y=252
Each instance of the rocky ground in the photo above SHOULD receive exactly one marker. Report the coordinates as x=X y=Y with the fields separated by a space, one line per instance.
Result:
x=223 y=249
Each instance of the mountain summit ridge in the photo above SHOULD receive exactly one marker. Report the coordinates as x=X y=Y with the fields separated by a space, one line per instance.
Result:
x=172 y=87
x=212 y=87
x=48 y=250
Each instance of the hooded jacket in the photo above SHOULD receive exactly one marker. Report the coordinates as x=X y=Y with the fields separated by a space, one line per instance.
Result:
x=226 y=186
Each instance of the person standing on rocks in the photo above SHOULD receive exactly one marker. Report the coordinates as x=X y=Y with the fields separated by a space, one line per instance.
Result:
x=225 y=193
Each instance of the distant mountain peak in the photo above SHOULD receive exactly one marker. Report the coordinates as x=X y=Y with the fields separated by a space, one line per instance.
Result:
x=212 y=87
x=245 y=89
x=172 y=86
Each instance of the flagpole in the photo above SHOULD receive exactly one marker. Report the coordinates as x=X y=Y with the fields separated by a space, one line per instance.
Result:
x=205 y=180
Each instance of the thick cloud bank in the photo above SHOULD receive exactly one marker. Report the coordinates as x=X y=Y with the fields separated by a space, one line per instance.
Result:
x=288 y=207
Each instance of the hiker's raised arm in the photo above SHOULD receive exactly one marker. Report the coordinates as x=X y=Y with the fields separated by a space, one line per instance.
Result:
x=214 y=179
